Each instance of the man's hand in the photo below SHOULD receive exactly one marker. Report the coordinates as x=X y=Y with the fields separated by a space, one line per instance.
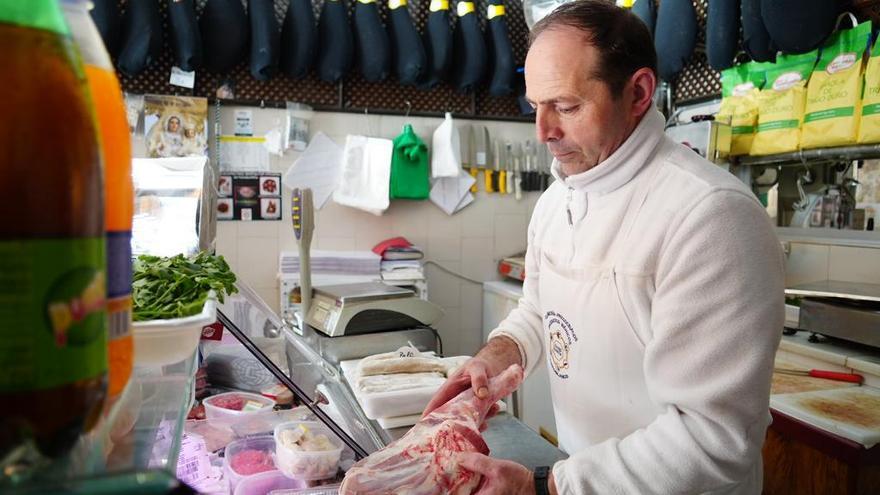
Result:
x=499 y=477
x=493 y=358
x=475 y=372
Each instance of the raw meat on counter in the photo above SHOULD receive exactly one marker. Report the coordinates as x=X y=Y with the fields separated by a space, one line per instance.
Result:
x=423 y=461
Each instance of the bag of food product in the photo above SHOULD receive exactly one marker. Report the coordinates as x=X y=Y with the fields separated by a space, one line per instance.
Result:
x=740 y=87
x=869 y=123
x=781 y=104
x=834 y=91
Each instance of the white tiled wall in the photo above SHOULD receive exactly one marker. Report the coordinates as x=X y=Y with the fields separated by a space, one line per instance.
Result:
x=470 y=242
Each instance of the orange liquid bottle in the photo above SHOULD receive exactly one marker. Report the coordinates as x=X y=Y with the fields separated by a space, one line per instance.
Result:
x=118 y=190
x=53 y=324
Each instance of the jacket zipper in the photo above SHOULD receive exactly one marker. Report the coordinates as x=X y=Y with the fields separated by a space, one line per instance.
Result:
x=568 y=207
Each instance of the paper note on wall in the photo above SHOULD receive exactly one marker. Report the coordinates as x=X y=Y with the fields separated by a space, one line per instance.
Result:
x=244 y=153
x=317 y=168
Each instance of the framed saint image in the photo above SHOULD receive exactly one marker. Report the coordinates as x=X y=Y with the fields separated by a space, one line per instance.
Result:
x=175 y=126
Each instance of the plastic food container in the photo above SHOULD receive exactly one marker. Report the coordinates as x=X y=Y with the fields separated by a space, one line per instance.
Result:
x=248 y=457
x=307 y=465
x=222 y=409
x=266 y=483
x=161 y=342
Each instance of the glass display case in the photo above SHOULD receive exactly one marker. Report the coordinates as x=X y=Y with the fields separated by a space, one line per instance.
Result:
x=134 y=449
x=160 y=439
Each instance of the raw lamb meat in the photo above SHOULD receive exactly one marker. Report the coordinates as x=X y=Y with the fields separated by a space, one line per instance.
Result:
x=422 y=462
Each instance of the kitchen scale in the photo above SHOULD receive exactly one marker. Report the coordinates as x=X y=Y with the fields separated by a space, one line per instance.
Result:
x=844 y=310
x=354 y=309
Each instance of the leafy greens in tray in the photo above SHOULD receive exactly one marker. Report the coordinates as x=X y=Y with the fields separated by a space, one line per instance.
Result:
x=178 y=286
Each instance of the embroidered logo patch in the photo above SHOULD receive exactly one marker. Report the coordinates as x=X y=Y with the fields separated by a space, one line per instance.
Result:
x=562 y=338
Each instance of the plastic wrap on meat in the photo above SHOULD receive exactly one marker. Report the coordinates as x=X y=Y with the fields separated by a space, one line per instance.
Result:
x=422 y=462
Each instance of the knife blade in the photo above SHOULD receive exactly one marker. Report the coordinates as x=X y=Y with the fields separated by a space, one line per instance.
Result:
x=500 y=175
x=481 y=155
x=468 y=154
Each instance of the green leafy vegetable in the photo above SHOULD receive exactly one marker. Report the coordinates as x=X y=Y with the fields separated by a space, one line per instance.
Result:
x=178 y=286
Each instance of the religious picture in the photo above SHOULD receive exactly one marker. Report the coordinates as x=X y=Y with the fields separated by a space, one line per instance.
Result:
x=175 y=126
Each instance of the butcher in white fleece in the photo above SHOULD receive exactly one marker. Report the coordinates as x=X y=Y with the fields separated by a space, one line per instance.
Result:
x=654 y=284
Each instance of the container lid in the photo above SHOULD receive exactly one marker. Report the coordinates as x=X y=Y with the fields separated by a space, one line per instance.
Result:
x=39 y=14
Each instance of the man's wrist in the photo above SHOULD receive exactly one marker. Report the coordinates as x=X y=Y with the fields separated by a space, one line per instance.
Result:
x=499 y=353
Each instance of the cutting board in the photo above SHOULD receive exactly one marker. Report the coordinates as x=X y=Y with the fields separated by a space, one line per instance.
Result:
x=789 y=384
x=852 y=413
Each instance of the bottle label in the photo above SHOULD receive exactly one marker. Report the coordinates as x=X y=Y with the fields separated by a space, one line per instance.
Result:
x=121 y=350
x=53 y=320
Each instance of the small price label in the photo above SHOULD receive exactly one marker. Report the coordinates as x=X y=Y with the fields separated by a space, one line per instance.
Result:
x=193 y=464
x=181 y=78
x=408 y=352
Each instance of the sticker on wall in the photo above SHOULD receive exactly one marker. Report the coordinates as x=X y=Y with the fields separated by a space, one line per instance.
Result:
x=249 y=196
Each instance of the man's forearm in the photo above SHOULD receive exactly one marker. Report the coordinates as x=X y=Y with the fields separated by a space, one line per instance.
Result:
x=500 y=352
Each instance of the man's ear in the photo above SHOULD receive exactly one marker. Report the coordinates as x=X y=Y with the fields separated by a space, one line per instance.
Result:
x=643 y=82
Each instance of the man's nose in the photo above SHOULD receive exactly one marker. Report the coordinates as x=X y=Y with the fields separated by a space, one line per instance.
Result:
x=547 y=126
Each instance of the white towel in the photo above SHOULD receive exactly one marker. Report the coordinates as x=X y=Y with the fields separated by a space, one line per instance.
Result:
x=366 y=174
x=451 y=194
x=446 y=150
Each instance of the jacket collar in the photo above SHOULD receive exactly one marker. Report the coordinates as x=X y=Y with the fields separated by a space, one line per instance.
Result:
x=623 y=164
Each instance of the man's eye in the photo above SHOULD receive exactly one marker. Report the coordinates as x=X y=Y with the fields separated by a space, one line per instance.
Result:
x=567 y=110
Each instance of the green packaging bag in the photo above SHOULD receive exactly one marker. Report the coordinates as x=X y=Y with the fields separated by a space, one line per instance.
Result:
x=410 y=171
x=781 y=104
x=740 y=87
x=869 y=123
x=834 y=91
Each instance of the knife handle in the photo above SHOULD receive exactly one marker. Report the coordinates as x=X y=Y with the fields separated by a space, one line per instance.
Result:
x=487 y=180
x=517 y=185
x=473 y=171
x=835 y=375
x=502 y=181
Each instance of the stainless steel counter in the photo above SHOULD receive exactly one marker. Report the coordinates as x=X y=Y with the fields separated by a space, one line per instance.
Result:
x=509 y=438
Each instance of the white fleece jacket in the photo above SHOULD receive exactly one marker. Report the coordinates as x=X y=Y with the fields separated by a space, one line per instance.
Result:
x=710 y=318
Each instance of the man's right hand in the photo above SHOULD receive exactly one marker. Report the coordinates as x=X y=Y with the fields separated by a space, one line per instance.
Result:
x=494 y=357
x=474 y=373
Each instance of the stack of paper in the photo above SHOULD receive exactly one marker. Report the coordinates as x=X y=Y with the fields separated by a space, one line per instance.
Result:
x=340 y=262
x=397 y=270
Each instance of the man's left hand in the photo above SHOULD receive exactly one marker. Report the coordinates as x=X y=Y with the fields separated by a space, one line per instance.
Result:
x=500 y=477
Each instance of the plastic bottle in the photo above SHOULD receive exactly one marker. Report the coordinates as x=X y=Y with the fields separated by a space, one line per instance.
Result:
x=53 y=325
x=118 y=189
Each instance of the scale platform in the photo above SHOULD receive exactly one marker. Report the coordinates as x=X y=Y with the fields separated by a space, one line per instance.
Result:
x=844 y=310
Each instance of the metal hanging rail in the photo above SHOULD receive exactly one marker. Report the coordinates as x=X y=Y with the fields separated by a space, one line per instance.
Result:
x=841 y=153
